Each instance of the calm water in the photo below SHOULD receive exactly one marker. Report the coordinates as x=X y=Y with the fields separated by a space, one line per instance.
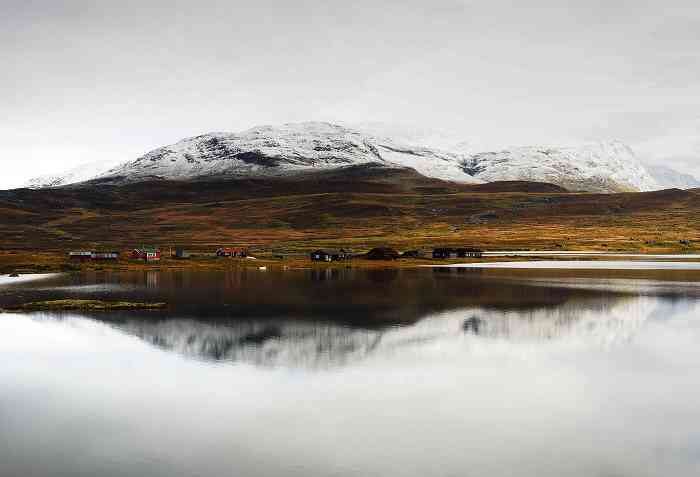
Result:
x=432 y=372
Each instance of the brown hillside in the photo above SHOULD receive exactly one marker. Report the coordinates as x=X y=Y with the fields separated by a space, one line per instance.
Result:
x=360 y=208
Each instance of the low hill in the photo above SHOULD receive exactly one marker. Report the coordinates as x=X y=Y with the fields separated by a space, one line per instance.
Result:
x=359 y=208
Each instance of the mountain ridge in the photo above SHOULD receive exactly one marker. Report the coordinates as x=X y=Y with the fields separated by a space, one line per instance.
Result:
x=303 y=148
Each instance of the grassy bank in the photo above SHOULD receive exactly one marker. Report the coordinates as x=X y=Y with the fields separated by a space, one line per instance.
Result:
x=85 y=305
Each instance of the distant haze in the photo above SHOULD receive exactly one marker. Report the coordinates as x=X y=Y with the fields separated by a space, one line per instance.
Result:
x=84 y=81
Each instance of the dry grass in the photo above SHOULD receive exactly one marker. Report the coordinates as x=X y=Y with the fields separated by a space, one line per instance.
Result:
x=85 y=305
x=294 y=218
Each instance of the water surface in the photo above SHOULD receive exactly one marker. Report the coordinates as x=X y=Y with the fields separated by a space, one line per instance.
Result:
x=348 y=372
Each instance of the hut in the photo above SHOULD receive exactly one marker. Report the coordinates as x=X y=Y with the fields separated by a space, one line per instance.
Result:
x=231 y=252
x=148 y=254
x=320 y=256
x=469 y=253
x=462 y=252
x=330 y=255
x=81 y=255
x=105 y=255
x=181 y=253
x=443 y=252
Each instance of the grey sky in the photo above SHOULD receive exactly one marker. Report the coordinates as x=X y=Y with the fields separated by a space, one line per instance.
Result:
x=83 y=81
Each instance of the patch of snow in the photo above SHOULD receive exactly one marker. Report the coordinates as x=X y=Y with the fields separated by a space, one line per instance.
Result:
x=75 y=175
x=312 y=146
x=286 y=149
x=8 y=280
x=604 y=167
x=669 y=178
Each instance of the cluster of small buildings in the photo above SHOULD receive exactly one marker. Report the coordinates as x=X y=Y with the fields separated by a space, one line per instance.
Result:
x=153 y=254
x=385 y=253
x=330 y=255
x=446 y=252
x=150 y=254
x=84 y=255
x=232 y=252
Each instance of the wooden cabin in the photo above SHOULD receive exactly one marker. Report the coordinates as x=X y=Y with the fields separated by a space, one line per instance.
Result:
x=469 y=253
x=232 y=252
x=84 y=255
x=105 y=255
x=463 y=252
x=148 y=254
x=181 y=253
x=330 y=255
x=443 y=252
x=81 y=255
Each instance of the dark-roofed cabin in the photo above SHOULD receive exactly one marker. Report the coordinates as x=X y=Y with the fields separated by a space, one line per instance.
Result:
x=80 y=255
x=232 y=252
x=105 y=255
x=181 y=253
x=469 y=253
x=463 y=252
x=330 y=255
x=84 y=255
x=443 y=252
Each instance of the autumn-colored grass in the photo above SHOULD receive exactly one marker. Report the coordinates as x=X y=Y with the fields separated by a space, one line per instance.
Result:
x=292 y=218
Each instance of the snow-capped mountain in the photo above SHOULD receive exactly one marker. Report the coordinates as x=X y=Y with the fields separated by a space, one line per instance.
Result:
x=669 y=178
x=313 y=146
x=604 y=167
x=286 y=149
x=82 y=173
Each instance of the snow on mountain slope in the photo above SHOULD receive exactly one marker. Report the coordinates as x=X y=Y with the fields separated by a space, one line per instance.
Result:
x=287 y=149
x=605 y=167
x=669 y=178
x=312 y=146
x=84 y=172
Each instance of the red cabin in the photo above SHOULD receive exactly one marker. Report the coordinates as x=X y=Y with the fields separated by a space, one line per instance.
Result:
x=148 y=254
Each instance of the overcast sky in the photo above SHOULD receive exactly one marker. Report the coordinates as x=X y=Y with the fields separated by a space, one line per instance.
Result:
x=90 y=80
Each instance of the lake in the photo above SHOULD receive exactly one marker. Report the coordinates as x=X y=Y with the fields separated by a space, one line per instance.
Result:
x=350 y=372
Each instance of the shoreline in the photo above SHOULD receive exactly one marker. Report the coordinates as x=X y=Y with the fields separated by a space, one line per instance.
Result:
x=47 y=263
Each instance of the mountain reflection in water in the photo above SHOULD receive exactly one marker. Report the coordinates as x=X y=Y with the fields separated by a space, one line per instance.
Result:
x=419 y=375
x=299 y=343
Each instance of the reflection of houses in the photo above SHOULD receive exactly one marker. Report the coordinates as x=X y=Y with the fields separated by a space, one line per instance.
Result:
x=91 y=255
x=148 y=254
x=446 y=252
x=232 y=252
x=152 y=279
x=330 y=255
